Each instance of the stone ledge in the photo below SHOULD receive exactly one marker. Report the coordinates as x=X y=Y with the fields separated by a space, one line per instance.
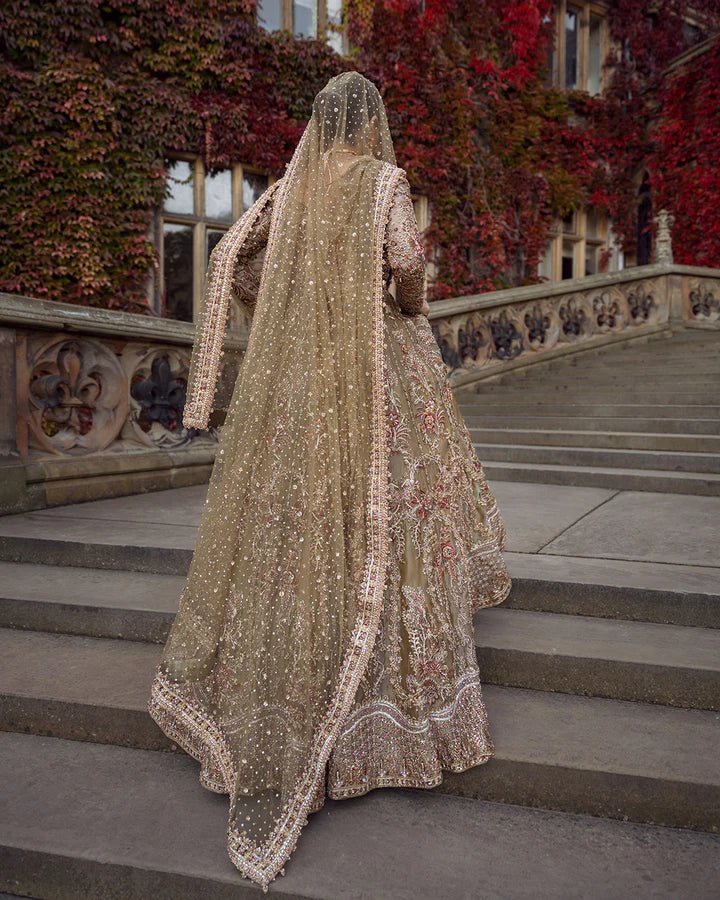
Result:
x=56 y=481
x=27 y=312
x=455 y=305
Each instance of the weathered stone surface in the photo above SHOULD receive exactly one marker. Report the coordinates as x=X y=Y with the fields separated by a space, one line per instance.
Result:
x=572 y=753
x=643 y=526
x=573 y=654
x=136 y=824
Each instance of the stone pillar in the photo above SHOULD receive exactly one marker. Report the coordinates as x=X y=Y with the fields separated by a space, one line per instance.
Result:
x=663 y=241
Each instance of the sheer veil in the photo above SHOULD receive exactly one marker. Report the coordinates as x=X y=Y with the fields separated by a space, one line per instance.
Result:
x=280 y=611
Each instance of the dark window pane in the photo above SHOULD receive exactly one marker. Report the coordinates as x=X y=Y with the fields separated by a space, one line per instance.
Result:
x=305 y=18
x=218 y=195
x=572 y=22
x=269 y=14
x=254 y=186
x=181 y=187
x=212 y=239
x=592 y=228
x=568 y=259
x=178 y=271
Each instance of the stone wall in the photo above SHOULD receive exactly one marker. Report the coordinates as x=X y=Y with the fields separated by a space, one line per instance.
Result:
x=91 y=400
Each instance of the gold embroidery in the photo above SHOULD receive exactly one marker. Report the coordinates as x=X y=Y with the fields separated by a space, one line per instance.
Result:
x=405 y=253
x=381 y=747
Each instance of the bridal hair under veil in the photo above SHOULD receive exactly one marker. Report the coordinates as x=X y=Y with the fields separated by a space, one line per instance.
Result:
x=280 y=611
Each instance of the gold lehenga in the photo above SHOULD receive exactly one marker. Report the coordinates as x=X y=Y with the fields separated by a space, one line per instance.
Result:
x=324 y=643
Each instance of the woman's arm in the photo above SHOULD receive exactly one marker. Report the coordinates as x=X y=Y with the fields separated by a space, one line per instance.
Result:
x=405 y=252
x=248 y=268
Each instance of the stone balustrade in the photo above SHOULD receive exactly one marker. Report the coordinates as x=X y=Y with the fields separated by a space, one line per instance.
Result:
x=91 y=403
x=91 y=400
x=483 y=334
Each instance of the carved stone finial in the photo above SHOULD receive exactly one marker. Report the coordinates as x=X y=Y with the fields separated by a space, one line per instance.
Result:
x=663 y=242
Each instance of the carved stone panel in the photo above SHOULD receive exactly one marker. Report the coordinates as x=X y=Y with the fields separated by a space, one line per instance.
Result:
x=77 y=395
x=157 y=378
x=703 y=304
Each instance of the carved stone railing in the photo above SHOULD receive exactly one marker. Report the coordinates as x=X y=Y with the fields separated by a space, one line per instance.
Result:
x=483 y=334
x=91 y=400
x=91 y=403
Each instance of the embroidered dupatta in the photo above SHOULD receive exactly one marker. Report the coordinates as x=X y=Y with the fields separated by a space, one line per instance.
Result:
x=280 y=611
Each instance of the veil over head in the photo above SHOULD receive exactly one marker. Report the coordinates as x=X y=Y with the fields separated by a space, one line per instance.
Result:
x=282 y=603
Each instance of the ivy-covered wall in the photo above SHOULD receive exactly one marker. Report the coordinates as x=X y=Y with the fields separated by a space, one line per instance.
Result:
x=94 y=93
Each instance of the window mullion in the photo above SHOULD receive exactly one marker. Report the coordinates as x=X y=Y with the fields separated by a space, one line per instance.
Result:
x=237 y=182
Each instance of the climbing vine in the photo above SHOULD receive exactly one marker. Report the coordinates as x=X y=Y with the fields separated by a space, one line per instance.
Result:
x=95 y=93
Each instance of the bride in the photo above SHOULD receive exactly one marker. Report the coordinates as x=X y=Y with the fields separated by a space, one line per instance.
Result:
x=324 y=642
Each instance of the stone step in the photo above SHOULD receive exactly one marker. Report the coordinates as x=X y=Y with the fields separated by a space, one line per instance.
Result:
x=660 y=460
x=517 y=406
x=674 y=665
x=618 y=440
x=140 y=606
x=649 y=367
x=40 y=538
x=706 y=485
x=629 y=590
x=555 y=750
x=659 y=382
x=689 y=359
x=135 y=606
x=584 y=420
x=572 y=393
x=102 y=821
x=572 y=654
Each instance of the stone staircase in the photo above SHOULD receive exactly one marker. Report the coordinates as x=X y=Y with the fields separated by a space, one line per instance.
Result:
x=602 y=684
x=638 y=416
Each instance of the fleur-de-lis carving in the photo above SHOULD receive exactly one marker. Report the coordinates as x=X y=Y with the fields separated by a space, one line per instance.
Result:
x=573 y=318
x=506 y=337
x=537 y=323
x=641 y=303
x=607 y=312
x=703 y=302
x=161 y=396
x=68 y=396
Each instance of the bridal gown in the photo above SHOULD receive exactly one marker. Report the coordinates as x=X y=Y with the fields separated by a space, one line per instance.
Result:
x=324 y=643
x=419 y=708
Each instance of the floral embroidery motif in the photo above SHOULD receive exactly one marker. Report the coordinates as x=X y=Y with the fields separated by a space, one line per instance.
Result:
x=431 y=417
x=426 y=656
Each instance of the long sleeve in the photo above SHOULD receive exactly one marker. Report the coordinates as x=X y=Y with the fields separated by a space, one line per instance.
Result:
x=249 y=264
x=405 y=253
x=247 y=237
